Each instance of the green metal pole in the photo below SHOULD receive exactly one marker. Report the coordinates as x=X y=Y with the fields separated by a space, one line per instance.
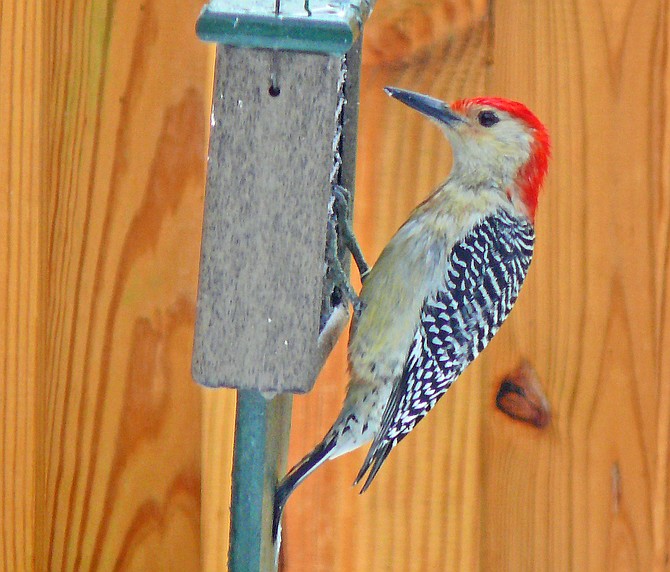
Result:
x=262 y=427
x=230 y=295
x=261 y=434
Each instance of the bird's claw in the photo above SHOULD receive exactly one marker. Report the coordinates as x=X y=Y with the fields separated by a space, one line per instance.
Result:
x=341 y=209
x=339 y=231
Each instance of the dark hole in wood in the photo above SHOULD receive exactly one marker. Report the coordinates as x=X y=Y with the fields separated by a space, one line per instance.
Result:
x=521 y=397
x=274 y=90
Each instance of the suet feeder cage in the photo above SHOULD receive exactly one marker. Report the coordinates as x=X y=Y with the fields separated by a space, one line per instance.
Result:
x=283 y=132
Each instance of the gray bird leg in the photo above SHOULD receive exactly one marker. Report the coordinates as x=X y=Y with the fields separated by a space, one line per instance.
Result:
x=341 y=209
x=339 y=276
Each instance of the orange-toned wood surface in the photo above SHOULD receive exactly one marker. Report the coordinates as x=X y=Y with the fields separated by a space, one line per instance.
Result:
x=20 y=269
x=410 y=518
x=593 y=493
x=105 y=109
x=113 y=459
x=471 y=489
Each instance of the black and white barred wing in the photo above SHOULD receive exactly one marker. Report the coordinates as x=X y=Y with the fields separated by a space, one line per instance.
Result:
x=483 y=279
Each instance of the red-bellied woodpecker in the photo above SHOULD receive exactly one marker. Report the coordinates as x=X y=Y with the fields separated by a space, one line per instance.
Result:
x=443 y=285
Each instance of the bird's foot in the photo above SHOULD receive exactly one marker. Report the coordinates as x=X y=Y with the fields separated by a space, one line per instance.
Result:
x=342 y=288
x=341 y=205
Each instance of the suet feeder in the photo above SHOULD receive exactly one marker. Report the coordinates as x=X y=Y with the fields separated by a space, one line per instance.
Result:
x=283 y=132
x=276 y=114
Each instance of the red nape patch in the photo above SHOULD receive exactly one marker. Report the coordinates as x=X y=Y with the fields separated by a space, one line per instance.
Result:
x=531 y=175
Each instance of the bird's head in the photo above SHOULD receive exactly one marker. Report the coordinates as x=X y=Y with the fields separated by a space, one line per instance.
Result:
x=495 y=141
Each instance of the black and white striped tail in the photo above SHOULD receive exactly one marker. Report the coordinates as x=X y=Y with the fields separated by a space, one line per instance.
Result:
x=296 y=475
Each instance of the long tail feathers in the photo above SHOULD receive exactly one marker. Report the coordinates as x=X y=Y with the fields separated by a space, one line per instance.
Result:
x=296 y=475
x=373 y=462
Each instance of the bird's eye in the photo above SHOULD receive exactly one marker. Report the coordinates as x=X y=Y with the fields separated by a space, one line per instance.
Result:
x=488 y=118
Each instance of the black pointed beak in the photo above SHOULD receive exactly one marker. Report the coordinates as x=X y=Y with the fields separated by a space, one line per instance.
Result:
x=429 y=106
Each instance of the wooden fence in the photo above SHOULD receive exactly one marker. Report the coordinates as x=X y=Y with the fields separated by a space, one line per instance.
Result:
x=112 y=458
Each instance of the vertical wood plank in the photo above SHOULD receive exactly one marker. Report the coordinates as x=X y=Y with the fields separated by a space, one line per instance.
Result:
x=471 y=489
x=126 y=108
x=594 y=316
x=21 y=219
x=218 y=422
x=103 y=125
x=401 y=158
x=660 y=174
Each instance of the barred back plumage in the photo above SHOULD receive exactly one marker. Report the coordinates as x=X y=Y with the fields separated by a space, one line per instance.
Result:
x=444 y=283
x=482 y=281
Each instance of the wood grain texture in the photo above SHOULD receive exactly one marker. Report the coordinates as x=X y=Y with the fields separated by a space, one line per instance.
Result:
x=400 y=30
x=400 y=160
x=594 y=319
x=103 y=119
x=21 y=219
x=217 y=465
x=470 y=488
x=123 y=471
x=124 y=110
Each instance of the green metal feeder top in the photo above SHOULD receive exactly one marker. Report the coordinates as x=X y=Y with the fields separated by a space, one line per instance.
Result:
x=319 y=26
